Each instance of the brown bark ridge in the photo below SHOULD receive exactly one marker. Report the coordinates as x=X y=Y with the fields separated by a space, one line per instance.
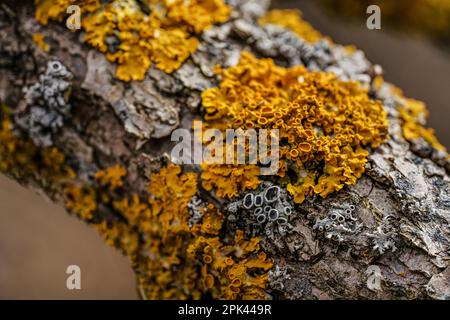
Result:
x=72 y=118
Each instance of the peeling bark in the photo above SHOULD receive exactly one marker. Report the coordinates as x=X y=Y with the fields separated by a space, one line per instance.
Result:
x=400 y=209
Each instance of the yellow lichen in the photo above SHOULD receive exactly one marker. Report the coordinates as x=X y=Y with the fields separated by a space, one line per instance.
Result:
x=39 y=40
x=324 y=123
x=170 y=194
x=185 y=261
x=292 y=20
x=56 y=9
x=414 y=115
x=85 y=201
x=230 y=180
x=134 y=210
x=81 y=201
x=118 y=234
x=300 y=191
x=165 y=36
x=25 y=161
x=173 y=258
x=111 y=177
x=228 y=271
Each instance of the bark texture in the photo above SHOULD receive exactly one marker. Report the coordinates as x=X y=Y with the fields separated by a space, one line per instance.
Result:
x=396 y=217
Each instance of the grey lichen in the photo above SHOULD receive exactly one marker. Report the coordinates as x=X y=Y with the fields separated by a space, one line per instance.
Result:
x=268 y=210
x=250 y=9
x=278 y=276
x=339 y=221
x=196 y=206
x=385 y=236
x=46 y=104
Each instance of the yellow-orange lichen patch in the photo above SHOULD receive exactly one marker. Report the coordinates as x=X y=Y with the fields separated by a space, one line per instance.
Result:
x=55 y=9
x=81 y=201
x=39 y=40
x=184 y=261
x=111 y=177
x=229 y=180
x=291 y=19
x=170 y=194
x=86 y=200
x=119 y=234
x=20 y=158
x=164 y=33
x=324 y=123
x=232 y=270
x=414 y=115
x=134 y=210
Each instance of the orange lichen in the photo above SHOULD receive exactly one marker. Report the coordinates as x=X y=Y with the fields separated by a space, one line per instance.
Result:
x=414 y=115
x=229 y=180
x=55 y=9
x=81 y=201
x=303 y=188
x=165 y=36
x=25 y=161
x=118 y=234
x=170 y=194
x=133 y=209
x=184 y=261
x=39 y=40
x=291 y=19
x=173 y=259
x=324 y=123
x=230 y=271
x=111 y=177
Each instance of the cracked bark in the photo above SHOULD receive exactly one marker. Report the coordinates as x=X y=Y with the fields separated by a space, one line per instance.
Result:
x=401 y=204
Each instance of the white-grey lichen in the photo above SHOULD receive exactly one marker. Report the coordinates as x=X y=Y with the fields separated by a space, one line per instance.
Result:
x=268 y=209
x=339 y=222
x=385 y=237
x=46 y=104
x=196 y=206
x=278 y=277
x=250 y=9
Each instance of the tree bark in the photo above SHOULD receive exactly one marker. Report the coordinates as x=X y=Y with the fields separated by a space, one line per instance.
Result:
x=401 y=203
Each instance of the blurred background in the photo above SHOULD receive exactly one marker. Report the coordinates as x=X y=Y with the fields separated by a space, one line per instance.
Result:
x=38 y=240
